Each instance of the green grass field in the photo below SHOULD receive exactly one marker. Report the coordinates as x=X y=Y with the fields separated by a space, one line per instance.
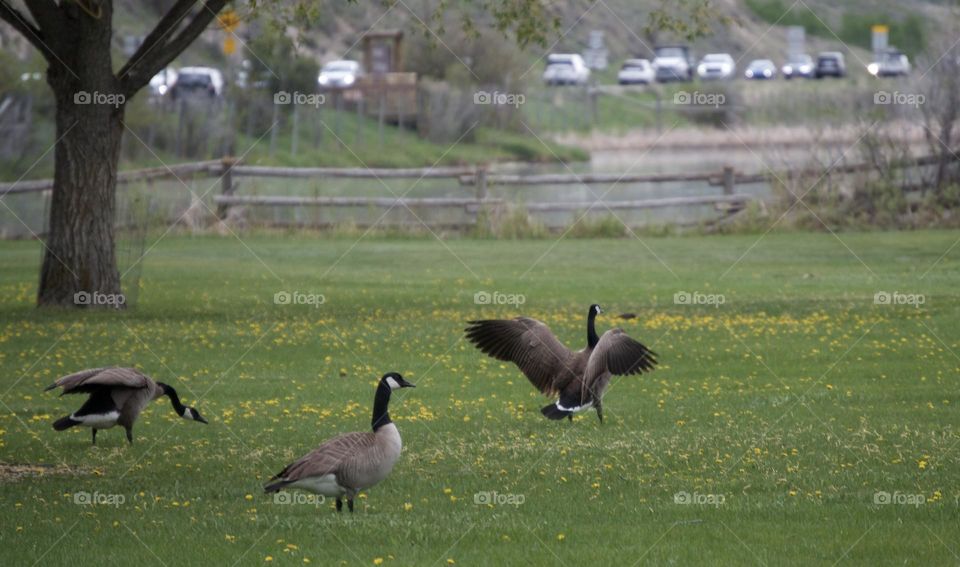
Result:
x=770 y=434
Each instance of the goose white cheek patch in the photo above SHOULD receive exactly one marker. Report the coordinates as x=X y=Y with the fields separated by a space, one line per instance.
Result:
x=392 y=383
x=188 y=414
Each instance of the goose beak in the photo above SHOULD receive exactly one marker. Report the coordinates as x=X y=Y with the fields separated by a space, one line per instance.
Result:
x=201 y=420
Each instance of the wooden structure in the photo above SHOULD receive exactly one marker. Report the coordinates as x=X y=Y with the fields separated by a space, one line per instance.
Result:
x=476 y=181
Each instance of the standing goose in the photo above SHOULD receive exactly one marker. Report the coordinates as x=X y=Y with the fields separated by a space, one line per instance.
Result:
x=117 y=396
x=579 y=378
x=349 y=463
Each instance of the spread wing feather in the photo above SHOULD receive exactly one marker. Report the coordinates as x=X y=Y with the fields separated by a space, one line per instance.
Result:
x=526 y=342
x=618 y=354
x=87 y=381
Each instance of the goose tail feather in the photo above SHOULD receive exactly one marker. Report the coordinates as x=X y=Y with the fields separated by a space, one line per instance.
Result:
x=551 y=411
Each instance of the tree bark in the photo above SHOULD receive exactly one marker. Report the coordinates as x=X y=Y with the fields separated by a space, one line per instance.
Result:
x=79 y=257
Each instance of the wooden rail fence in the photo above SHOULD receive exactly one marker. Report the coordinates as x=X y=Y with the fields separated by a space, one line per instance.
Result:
x=477 y=179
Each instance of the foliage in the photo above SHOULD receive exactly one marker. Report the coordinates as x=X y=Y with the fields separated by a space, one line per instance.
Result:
x=908 y=33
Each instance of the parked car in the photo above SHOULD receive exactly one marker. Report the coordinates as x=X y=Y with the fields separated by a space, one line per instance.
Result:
x=673 y=63
x=830 y=64
x=761 y=69
x=891 y=63
x=636 y=71
x=566 y=69
x=799 y=65
x=197 y=80
x=161 y=83
x=716 y=66
x=339 y=74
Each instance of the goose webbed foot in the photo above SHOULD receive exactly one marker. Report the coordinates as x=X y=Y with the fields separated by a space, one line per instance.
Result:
x=94 y=436
x=339 y=505
x=130 y=435
x=570 y=417
x=600 y=414
x=350 y=505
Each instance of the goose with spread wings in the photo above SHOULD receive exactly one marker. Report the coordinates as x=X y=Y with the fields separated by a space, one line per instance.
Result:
x=577 y=378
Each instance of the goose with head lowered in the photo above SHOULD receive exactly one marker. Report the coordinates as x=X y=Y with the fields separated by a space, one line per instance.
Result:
x=579 y=378
x=117 y=396
x=349 y=463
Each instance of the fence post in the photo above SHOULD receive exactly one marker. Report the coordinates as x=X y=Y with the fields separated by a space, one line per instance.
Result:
x=658 y=113
x=383 y=112
x=358 y=133
x=295 y=133
x=276 y=127
x=728 y=180
x=481 y=181
x=226 y=183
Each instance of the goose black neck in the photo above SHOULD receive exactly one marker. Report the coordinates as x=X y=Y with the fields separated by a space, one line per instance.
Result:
x=592 y=338
x=381 y=416
x=174 y=398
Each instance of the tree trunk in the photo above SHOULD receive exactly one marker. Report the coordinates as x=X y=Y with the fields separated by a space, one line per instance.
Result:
x=79 y=264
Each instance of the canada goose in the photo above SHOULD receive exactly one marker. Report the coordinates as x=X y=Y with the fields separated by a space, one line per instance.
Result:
x=349 y=463
x=579 y=378
x=117 y=396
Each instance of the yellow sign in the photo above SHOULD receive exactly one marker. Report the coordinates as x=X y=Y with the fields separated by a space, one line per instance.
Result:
x=229 y=45
x=229 y=20
x=880 y=28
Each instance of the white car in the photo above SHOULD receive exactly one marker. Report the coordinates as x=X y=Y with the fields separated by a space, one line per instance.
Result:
x=566 y=69
x=716 y=66
x=203 y=80
x=673 y=63
x=891 y=63
x=161 y=83
x=636 y=72
x=339 y=74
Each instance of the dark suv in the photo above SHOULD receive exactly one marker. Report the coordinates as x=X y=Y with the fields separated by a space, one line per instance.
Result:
x=830 y=64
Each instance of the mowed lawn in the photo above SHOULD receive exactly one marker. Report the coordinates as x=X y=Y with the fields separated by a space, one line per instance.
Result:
x=797 y=423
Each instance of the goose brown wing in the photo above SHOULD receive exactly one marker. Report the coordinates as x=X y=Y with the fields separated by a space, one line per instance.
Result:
x=89 y=380
x=529 y=344
x=328 y=457
x=618 y=354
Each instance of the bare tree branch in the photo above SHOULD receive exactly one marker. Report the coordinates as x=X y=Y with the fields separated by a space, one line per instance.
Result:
x=140 y=72
x=167 y=24
x=20 y=23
